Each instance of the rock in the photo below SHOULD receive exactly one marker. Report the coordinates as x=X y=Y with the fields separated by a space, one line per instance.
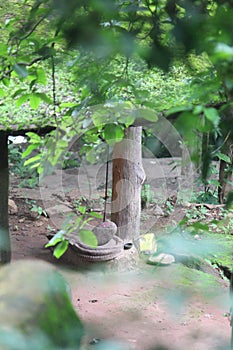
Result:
x=13 y=209
x=161 y=259
x=197 y=237
x=59 y=209
x=158 y=211
x=35 y=308
x=104 y=232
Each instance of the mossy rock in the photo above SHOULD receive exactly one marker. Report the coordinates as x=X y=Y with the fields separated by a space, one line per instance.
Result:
x=35 y=308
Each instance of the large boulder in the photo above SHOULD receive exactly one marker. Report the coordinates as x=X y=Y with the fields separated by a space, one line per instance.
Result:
x=35 y=308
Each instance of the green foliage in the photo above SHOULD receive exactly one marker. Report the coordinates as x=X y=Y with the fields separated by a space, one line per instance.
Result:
x=15 y=159
x=147 y=195
x=168 y=208
x=113 y=133
x=206 y=196
x=34 y=208
x=39 y=210
x=73 y=224
x=31 y=182
x=28 y=176
x=69 y=161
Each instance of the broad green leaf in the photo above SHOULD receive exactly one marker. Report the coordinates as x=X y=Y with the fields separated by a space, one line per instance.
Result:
x=212 y=115
x=44 y=97
x=223 y=157
x=34 y=100
x=96 y=215
x=126 y=117
x=214 y=182
x=41 y=76
x=29 y=149
x=32 y=160
x=186 y=123
x=101 y=116
x=18 y=92
x=21 y=70
x=2 y=92
x=122 y=106
x=9 y=22
x=113 y=133
x=177 y=109
x=88 y=238
x=6 y=82
x=61 y=248
x=148 y=114
x=82 y=209
x=32 y=83
x=35 y=165
x=22 y=99
x=58 y=237
x=145 y=113
x=197 y=110
x=34 y=138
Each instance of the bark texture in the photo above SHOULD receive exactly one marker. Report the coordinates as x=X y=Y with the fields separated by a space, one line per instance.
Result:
x=226 y=169
x=127 y=177
x=225 y=173
x=5 y=248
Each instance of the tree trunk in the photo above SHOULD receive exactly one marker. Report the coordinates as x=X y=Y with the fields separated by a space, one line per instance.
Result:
x=226 y=169
x=127 y=179
x=5 y=248
x=225 y=173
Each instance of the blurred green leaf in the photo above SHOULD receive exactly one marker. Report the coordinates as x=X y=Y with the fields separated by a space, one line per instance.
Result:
x=22 y=99
x=213 y=116
x=95 y=215
x=58 y=237
x=145 y=113
x=41 y=76
x=61 y=248
x=113 y=133
x=35 y=100
x=29 y=149
x=32 y=159
x=88 y=238
x=21 y=70
x=82 y=209
x=223 y=157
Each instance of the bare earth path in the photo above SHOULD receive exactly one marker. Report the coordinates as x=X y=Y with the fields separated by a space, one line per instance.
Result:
x=131 y=302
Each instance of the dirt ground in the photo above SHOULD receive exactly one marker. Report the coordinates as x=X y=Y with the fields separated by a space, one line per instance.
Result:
x=126 y=301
